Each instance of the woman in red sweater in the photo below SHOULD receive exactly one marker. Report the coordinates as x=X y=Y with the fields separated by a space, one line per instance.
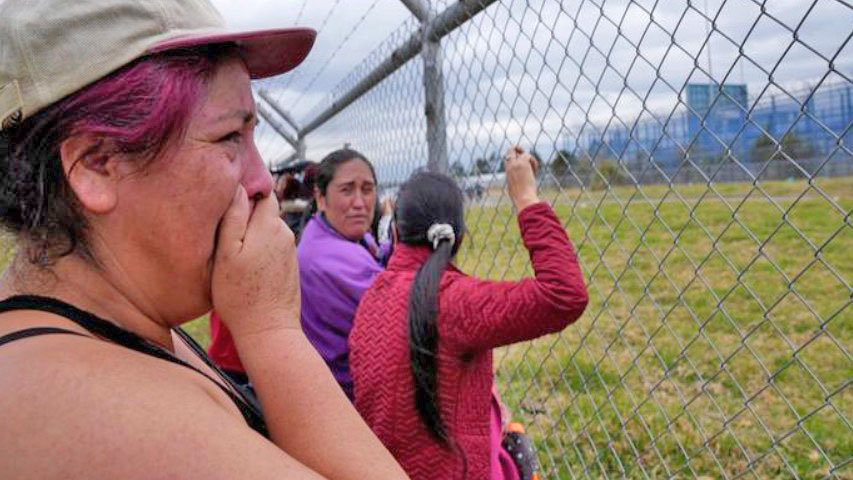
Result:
x=422 y=339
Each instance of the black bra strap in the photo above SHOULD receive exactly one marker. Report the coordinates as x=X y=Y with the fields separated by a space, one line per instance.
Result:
x=89 y=321
x=32 y=332
x=248 y=395
x=248 y=406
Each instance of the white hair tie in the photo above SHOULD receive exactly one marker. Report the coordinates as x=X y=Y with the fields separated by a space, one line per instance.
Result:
x=438 y=232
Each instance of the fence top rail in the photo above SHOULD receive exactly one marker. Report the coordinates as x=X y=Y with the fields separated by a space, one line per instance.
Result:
x=443 y=24
x=280 y=111
x=418 y=8
x=270 y=118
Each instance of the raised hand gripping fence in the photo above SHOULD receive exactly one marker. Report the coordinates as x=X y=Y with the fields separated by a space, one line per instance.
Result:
x=699 y=154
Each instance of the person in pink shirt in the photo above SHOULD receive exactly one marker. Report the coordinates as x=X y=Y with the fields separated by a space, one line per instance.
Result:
x=421 y=343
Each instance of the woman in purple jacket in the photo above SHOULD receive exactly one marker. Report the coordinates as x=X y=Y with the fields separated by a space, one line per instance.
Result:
x=338 y=257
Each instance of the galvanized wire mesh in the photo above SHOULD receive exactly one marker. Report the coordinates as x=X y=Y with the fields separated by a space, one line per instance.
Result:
x=386 y=124
x=699 y=155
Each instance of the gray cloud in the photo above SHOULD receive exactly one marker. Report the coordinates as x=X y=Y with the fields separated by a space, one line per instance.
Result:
x=516 y=72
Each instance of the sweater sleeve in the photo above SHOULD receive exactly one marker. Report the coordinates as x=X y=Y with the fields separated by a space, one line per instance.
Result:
x=486 y=314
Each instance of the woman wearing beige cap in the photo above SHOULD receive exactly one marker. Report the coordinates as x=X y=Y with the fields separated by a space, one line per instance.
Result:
x=138 y=201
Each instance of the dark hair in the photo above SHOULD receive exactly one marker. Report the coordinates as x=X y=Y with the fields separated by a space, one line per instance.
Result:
x=377 y=217
x=309 y=177
x=137 y=110
x=292 y=188
x=329 y=166
x=424 y=200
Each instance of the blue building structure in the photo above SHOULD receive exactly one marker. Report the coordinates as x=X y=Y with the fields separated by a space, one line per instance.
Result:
x=720 y=122
x=715 y=117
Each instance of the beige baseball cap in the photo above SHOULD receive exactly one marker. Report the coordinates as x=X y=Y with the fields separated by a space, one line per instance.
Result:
x=52 y=48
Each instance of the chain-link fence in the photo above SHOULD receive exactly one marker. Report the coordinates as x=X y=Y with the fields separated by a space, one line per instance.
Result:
x=699 y=155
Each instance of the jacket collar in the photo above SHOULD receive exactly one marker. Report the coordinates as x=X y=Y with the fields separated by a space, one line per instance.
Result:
x=410 y=258
x=367 y=241
x=325 y=225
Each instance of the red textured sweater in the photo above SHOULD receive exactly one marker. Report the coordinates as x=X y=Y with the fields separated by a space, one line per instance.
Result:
x=474 y=317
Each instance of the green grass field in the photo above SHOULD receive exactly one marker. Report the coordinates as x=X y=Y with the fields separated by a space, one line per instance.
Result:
x=718 y=337
x=717 y=342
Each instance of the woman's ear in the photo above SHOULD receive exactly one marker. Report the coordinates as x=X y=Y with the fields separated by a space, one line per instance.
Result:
x=91 y=171
x=320 y=200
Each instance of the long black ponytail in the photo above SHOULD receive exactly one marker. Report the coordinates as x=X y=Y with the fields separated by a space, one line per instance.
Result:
x=424 y=201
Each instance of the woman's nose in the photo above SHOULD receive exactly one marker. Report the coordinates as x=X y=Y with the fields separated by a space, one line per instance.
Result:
x=359 y=201
x=257 y=179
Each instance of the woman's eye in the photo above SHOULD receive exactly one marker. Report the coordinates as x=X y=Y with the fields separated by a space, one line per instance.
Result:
x=231 y=137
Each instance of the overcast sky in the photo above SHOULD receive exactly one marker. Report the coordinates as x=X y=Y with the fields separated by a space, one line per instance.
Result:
x=525 y=70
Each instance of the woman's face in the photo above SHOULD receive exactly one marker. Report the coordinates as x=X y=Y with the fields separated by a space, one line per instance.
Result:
x=170 y=212
x=350 y=199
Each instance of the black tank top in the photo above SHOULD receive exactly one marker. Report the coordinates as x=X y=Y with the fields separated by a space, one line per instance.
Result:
x=101 y=328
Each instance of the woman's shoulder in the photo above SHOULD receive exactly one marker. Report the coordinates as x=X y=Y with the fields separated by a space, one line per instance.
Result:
x=78 y=399
x=317 y=244
x=384 y=288
x=70 y=364
x=453 y=277
x=337 y=257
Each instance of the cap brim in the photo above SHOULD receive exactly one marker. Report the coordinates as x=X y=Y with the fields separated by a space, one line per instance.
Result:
x=266 y=52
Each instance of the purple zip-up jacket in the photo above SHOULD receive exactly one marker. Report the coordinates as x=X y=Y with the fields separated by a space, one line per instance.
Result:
x=334 y=272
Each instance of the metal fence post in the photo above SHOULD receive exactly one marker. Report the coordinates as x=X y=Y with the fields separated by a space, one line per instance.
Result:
x=433 y=88
x=300 y=148
x=434 y=106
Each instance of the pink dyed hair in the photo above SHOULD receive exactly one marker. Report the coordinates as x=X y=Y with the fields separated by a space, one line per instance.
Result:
x=141 y=109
